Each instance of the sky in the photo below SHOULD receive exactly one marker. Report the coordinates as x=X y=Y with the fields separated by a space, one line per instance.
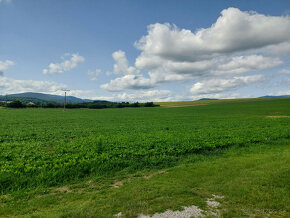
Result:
x=145 y=50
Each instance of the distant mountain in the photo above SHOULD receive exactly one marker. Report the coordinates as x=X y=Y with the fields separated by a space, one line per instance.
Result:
x=280 y=96
x=23 y=99
x=40 y=98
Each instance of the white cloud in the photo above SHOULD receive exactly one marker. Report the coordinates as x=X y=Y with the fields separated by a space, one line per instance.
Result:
x=12 y=86
x=221 y=85
x=218 y=96
x=167 y=50
x=122 y=65
x=243 y=64
x=145 y=96
x=237 y=43
x=172 y=71
x=9 y=86
x=128 y=82
x=76 y=93
x=4 y=65
x=140 y=96
x=181 y=71
x=234 y=31
x=285 y=71
x=279 y=49
x=163 y=96
x=285 y=92
x=64 y=66
x=94 y=74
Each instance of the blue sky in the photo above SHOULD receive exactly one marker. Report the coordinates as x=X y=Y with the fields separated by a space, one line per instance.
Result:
x=145 y=50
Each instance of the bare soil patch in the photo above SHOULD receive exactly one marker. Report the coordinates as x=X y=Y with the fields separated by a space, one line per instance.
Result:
x=118 y=184
x=153 y=174
x=63 y=189
x=188 y=212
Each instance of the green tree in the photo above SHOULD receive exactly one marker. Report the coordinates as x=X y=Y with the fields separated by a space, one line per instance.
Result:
x=16 y=104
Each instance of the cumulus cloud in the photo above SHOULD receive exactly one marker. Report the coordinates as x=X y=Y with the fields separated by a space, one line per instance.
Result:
x=172 y=71
x=122 y=65
x=145 y=96
x=131 y=79
x=128 y=82
x=234 y=31
x=237 y=43
x=66 y=65
x=219 y=96
x=181 y=71
x=158 y=95
x=279 y=49
x=9 y=85
x=285 y=71
x=75 y=92
x=243 y=64
x=170 y=53
x=285 y=92
x=221 y=85
x=93 y=75
x=140 y=96
x=4 y=65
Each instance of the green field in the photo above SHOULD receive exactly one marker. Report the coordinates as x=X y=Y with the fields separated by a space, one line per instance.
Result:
x=41 y=149
x=207 y=102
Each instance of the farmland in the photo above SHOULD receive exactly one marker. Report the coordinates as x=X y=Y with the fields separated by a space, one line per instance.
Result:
x=43 y=148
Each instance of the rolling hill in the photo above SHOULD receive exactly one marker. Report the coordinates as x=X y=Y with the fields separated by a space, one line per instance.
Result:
x=39 y=98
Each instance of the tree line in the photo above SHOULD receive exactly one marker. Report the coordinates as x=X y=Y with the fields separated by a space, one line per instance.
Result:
x=90 y=105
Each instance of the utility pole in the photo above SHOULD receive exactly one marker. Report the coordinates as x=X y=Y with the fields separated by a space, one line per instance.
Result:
x=65 y=90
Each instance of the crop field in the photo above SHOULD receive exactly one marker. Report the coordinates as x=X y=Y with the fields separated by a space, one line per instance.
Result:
x=207 y=102
x=49 y=147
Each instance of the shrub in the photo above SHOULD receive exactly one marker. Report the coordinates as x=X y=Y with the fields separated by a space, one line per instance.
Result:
x=52 y=105
x=136 y=104
x=149 y=104
x=16 y=104
x=96 y=106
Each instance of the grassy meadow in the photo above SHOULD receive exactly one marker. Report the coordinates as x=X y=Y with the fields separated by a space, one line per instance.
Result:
x=97 y=163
